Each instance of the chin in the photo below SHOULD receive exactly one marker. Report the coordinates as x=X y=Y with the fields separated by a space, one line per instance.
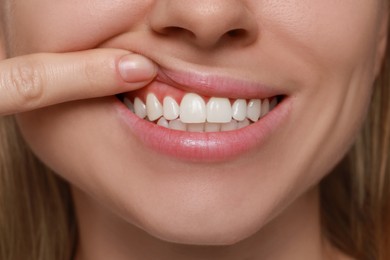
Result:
x=224 y=234
x=200 y=222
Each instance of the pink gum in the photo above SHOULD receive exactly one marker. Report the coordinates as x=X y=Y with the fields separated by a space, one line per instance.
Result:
x=161 y=90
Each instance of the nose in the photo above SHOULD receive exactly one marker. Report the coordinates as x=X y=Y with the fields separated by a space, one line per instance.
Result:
x=205 y=23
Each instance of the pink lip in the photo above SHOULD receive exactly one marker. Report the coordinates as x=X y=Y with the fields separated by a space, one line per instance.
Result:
x=207 y=147
x=213 y=85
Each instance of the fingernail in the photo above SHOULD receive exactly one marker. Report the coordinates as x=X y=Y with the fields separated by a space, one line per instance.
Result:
x=136 y=68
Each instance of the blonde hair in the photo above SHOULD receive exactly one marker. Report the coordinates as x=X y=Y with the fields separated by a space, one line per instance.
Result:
x=36 y=216
x=37 y=221
x=355 y=197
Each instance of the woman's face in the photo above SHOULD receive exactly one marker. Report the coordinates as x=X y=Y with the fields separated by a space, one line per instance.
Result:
x=319 y=58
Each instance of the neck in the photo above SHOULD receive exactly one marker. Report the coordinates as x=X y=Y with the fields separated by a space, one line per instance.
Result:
x=294 y=234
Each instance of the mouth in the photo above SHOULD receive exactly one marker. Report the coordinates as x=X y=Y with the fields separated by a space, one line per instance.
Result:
x=203 y=118
x=195 y=113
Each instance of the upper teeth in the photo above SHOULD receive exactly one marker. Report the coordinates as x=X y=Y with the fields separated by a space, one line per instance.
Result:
x=194 y=114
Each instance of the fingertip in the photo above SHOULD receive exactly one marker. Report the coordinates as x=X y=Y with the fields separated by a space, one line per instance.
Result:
x=135 y=68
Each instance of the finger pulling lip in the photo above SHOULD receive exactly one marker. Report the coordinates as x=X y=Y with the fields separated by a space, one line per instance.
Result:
x=202 y=146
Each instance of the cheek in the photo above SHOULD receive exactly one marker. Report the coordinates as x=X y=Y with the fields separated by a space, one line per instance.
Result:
x=71 y=25
x=336 y=42
x=333 y=32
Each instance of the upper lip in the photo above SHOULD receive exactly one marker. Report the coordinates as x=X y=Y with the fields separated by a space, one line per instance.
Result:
x=204 y=80
x=208 y=81
x=208 y=84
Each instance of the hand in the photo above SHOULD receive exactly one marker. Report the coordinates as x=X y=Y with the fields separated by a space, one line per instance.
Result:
x=38 y=80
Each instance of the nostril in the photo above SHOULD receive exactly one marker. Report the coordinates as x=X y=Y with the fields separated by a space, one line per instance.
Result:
x=176 y=31
x=204 y=23
x=240 y=36
x=231 y=36
x=237 y=33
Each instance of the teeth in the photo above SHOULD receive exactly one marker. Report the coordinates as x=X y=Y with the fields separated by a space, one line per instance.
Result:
x=197 y=127
x=154 y=108
x=177 y=125
x=212 y=127
x=192 y=109
x=139 y=108
x=171 y=108
x=163 y=122
x=231 y=126
x=194 y=115
x=129 y=104
x=254 y=110
x=219 y=110
x=239 y=109
x=243 y=123
x=273 y=103
x=264 y=107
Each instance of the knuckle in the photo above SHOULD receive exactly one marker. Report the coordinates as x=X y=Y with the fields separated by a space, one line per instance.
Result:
x=26 y=81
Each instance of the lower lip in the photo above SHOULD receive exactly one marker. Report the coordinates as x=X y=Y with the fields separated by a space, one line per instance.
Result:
x=205 y=147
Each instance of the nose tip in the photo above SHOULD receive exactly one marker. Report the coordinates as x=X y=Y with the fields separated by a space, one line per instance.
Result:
x=205 y=23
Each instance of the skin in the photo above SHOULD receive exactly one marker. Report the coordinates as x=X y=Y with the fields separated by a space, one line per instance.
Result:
x=324 y=54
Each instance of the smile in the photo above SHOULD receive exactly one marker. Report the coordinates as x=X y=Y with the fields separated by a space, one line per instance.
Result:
x=203 y=122
x=194 y=114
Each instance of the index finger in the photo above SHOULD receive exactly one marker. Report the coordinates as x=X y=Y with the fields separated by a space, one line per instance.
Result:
x=38 y=80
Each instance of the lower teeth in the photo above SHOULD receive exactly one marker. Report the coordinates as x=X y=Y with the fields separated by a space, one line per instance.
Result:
x=203 y=127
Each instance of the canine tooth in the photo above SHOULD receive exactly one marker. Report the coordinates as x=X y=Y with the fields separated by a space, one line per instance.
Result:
x=212 y=127
x=244 y=123
x=219 y=110
x=153 y=107
x=264 y=107
x=192 y=109
x=129 y=104
x=163 y=122
x=254 y=109
x=239 y=109
x=232 y=125
x=139 y=108
x=171 y=108
x=177 y=125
